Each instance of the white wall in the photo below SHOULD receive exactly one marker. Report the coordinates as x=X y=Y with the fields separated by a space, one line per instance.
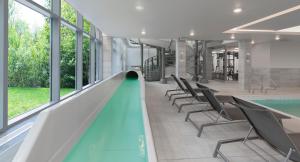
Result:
x=275 y=62
x=276 y=54
x=118 y=53
x=133 y=57
x=285 y=54
x=260 y=55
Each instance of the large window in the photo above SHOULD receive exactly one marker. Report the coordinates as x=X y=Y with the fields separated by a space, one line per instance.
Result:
x=28 y=59
x=86 y=26
x=32 y=84
x=44 y=3
x=86 y=60
x=67 y=61
x=68 y=12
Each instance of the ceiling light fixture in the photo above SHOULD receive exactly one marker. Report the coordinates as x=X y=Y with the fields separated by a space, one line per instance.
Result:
x=232 y=36
x=143 y=32
x=237 y=10
x=139 y=7
x=277 y=37
x=252 y=42
x=266 y=18
x=192 y=33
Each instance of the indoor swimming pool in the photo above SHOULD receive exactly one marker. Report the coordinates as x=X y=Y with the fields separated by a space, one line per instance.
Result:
x=108 y=122
x=117 y=134
x=289 y=106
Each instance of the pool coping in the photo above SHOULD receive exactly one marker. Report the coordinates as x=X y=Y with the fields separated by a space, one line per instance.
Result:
x=152 y=155
x=251 y=98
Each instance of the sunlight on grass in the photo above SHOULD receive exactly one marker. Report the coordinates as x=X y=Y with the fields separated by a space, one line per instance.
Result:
x=21 y=100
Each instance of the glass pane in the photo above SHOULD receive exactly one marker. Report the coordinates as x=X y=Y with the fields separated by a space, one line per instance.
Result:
x=28 y=59
x=86 y=26
x=67 y=61
x=68 y=12
x=44 y=3
x=86 y=60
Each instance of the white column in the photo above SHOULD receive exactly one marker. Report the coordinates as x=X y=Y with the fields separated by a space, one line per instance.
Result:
x=55 y=53
x=261 y=63
x=107 y=56
x=180 y=58
x=245 y=65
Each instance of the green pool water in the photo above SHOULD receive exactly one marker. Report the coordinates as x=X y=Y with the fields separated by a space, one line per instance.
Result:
x=117 y=134
x=290 y=106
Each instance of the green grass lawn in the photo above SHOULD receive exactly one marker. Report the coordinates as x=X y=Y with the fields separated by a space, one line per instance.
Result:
x=21 y=100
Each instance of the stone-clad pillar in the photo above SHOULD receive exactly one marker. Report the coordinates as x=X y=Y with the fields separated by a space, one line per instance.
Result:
x=163 y=66
x=180 y=58
x=244 y=65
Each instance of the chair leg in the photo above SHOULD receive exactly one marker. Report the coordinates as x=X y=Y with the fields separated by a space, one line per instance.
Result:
x=175 y=94
x=170 y=90
x=221 y=142
x=218 y=123
x=187 y=118
x=179 y=98
x=166 y=92
x=188 y=104
x=287 y=158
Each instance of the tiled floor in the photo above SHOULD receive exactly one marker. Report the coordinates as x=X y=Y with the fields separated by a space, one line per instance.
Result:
x=176 y=140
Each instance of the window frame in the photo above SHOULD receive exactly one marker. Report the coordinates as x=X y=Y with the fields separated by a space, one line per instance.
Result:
x=54 y=14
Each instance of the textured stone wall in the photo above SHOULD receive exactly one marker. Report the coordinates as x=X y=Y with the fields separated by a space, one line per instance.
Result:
x=180 y=58
x=286 y=77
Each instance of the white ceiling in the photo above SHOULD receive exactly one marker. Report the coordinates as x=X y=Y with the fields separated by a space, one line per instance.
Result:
x=165 y=19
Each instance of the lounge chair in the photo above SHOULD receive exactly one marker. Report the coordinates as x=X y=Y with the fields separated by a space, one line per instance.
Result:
x=180 y=90
x=269 y=129
x=195 y=99
x=231 y=113
x=239 y=101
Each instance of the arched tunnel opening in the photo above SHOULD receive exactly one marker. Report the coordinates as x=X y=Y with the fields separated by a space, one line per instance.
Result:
x=132 y=75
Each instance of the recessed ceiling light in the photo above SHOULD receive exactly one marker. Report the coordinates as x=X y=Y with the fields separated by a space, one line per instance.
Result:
x=268 y=17
x=277 y=37
x=143 y=32
x=139 y=7
x=295 y=29
x=192 y=33
x=232 y=36
x=252 y=42
x=237 y=10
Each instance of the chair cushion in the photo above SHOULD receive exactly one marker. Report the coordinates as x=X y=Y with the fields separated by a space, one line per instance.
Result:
x=234 y=112
x=295 y=138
